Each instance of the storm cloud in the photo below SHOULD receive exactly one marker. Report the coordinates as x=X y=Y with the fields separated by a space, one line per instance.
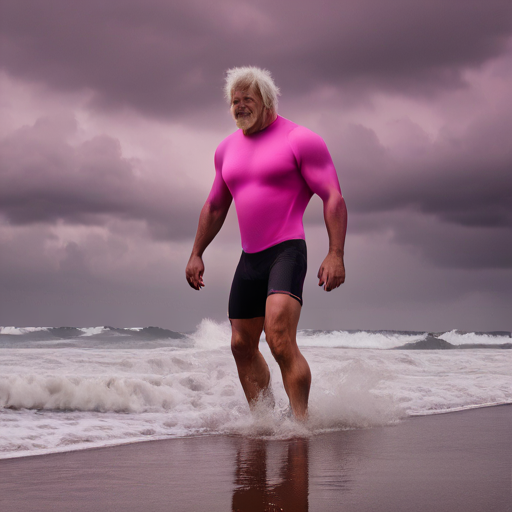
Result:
x=45 y=179
x=164 y=58
x=111 y=112
x=440 y=178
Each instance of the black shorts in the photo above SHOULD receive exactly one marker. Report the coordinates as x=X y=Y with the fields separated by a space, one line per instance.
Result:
x=278 y=269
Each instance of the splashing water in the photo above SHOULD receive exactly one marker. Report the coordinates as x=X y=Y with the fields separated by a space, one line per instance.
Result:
x=78 y=394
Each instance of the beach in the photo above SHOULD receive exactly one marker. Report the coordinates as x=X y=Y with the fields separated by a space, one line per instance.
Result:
x=113 y=419
x=459 y=461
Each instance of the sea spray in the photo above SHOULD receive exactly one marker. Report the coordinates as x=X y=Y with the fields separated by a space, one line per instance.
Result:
x=349 y=399
x=211 y=335
x=153 y=384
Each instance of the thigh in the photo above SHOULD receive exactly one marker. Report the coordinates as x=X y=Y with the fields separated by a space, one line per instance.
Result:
x=248 y=293
x=289 y=271
x=282 y=315
x=246 y=332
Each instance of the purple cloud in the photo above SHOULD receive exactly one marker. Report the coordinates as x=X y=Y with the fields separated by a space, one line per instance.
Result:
x=167 y=58
x=44 y=179
x=85 y=216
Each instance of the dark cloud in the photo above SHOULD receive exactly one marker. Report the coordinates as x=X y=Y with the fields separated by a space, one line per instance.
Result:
x=166 y=58
x=462 y=179
x=455 y=247
x=101 y=277
x=449 y=197
x=45 y=179
x=47 y=280
x=444 y=202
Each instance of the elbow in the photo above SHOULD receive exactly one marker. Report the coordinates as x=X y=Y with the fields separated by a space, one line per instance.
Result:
x=216 y=208
x=342 y=208
x=335 y=201
x=336 y=208
x=343 y=205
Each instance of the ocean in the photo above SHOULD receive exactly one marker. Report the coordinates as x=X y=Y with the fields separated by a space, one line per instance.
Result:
x=70 y=388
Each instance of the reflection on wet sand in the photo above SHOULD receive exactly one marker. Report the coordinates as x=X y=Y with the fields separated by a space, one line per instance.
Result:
x=255 y=487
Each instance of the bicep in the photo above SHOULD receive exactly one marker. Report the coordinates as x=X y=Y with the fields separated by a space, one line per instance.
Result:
x=220 y=197
x=322 y=180
x=317 y=167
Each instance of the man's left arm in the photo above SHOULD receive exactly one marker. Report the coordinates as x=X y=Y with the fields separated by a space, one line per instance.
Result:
x=318 y=170
x=332 y=270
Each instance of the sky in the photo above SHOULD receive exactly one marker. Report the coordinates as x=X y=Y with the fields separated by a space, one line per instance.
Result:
x=111 y=112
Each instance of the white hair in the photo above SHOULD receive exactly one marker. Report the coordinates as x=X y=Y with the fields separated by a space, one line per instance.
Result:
x=251 y=77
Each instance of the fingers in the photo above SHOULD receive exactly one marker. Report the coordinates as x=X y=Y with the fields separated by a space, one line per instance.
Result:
x=196 y=284
x=329 y=283
x=336 y=282
x=320 y=275
x=331 y=274
x=325 y=280
x=195 y=280
x=326 y=283
x=193 y=285
x=194 y=272
x=332 y=285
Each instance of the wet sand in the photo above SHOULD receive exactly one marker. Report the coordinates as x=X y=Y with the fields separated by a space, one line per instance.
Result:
x=452 y=462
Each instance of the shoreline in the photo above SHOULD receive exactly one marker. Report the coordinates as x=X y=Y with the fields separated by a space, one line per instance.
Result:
x=114 y=444
x=455 y=461
x=102 y=445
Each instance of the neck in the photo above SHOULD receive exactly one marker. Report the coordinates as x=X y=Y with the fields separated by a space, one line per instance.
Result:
x=267 y=119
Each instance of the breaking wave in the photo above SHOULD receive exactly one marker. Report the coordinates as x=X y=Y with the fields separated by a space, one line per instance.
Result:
x=81 y=387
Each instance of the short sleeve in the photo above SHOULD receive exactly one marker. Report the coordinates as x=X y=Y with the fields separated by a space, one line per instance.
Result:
x=314 y=161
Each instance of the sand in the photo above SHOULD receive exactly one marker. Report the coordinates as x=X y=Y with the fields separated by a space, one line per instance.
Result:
x=452 y=462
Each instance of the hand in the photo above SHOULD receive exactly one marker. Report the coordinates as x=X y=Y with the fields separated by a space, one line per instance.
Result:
x=194 y=272
x=332 y=272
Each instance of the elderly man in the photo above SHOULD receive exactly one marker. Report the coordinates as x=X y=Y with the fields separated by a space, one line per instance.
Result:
x=271 y=167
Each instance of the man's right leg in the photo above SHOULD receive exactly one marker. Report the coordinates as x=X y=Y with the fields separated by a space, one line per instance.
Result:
x=252 y=367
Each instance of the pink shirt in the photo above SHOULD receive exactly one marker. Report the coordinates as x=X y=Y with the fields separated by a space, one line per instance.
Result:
x=272 y=175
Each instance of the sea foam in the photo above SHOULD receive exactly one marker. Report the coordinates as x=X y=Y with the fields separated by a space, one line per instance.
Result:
x=142 y=387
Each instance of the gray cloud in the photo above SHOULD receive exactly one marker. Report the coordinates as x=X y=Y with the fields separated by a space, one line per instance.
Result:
x=445 y=203
x=456 y=247
x=45 y=179
x=167 y=58
x=459 y=179
x=104 y=278
x=449 y=198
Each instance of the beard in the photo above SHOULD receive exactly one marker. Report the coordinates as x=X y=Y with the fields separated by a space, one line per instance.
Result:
x=246 y=122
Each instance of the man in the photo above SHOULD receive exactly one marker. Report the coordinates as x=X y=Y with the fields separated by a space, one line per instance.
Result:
x=271 y=167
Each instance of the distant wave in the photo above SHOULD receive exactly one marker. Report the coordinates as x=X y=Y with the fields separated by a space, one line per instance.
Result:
x=404 y=340
x=105 y=336
x=207 y=331
x=153 y=383
x=438 y=343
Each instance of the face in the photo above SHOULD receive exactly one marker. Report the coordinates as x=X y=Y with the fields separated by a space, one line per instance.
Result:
x=248 y=111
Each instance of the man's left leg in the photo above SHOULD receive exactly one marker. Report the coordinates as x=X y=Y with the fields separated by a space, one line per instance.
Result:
x=281 y=319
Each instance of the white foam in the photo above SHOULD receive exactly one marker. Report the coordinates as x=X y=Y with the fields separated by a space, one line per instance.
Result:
x=470 y=338
x=459 y=409
x=359 y=339
x=71 y=398
x=210 y=334
x=21 y=330
x=91 y=331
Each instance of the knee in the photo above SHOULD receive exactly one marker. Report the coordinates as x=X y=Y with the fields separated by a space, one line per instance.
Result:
x=280 y=344
x=241 y=349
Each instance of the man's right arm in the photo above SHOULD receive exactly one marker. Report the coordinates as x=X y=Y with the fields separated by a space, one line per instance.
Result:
x=211 y=220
